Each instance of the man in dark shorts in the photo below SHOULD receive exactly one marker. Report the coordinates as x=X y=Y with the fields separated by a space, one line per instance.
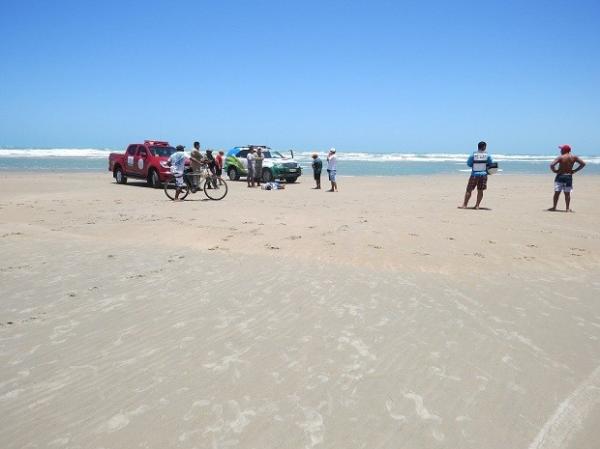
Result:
x=219 y=162
x=317 y=166
x=478 y=162
x=563 y=182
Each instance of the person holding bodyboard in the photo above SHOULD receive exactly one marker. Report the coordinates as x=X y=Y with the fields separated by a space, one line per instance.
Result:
x=480 y=162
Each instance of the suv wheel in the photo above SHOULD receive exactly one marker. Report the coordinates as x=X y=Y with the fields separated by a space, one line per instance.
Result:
x=267 y=176
x=233 y=174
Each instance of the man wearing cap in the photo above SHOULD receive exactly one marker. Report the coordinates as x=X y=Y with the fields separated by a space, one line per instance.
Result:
x=563 y=182
x=177 y=163
x=332 y=169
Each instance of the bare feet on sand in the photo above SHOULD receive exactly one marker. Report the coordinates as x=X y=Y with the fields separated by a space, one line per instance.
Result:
x=554 y=209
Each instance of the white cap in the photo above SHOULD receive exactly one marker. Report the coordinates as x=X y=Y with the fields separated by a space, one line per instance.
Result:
x=332 y=150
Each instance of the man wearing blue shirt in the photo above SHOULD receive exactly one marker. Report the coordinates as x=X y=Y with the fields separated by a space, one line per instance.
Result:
x=478 y=162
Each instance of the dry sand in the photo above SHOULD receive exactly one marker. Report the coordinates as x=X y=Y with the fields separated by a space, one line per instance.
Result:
x=378 y=317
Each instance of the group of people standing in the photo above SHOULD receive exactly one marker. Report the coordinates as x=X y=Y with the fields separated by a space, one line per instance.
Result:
x=255 y=160
x=564 y=166
x=256 y=157
x=177 y=164
x=213 y=163
x=317 y=166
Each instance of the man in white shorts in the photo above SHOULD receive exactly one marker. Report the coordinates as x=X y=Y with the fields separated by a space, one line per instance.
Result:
x=332 y=169
x=177 y=163
x=563 y=182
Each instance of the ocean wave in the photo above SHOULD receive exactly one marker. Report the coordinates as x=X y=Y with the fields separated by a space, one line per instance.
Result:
x=438 y=157
x=302 y=156
x=88 y=153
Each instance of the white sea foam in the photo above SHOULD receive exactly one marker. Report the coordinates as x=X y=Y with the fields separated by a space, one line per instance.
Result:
x=89 y=153
x=302 y=156
x=458 y=158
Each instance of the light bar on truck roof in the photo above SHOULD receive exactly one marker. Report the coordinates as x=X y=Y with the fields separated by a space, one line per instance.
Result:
x=159 y=143
x=258 y=146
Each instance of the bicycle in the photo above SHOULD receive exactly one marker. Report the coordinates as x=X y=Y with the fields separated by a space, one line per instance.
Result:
x=214 y=188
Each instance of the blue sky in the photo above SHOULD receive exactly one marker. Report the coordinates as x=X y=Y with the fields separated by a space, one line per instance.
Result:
x=416 y=76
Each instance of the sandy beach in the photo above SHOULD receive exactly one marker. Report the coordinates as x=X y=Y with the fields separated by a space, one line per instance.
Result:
x=378 y=317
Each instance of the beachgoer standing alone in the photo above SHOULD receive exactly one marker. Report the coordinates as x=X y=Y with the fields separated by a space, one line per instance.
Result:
x=563 y=182
x=478 y=162
x=332 y=169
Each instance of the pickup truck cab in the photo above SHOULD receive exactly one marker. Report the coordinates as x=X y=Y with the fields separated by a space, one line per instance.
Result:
x=275 y=165
x=142 y=161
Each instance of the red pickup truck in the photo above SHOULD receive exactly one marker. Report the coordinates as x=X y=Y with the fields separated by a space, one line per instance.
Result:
x=142 y=161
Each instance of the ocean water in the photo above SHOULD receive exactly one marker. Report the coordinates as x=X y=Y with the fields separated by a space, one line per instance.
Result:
x=349 y=163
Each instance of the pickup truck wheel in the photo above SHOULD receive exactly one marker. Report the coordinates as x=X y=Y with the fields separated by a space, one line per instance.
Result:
x=267 y=176
x=233 y=174
x=120 y=176
x=154 y=179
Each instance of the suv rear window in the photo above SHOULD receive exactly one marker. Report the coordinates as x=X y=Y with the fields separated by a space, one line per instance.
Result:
x=162 y=151
x=131 y=150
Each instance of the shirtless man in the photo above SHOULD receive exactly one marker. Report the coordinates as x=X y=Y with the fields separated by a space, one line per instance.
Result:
x=564 y=175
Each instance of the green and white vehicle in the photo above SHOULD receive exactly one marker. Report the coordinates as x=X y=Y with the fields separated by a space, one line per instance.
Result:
x=275 y=165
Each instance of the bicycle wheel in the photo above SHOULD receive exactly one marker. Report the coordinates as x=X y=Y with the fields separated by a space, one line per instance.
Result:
x=171 y=188
x=215 y=188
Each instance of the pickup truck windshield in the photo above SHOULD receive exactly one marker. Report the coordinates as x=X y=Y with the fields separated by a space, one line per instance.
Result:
x=162 y=151
x=273 y=154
